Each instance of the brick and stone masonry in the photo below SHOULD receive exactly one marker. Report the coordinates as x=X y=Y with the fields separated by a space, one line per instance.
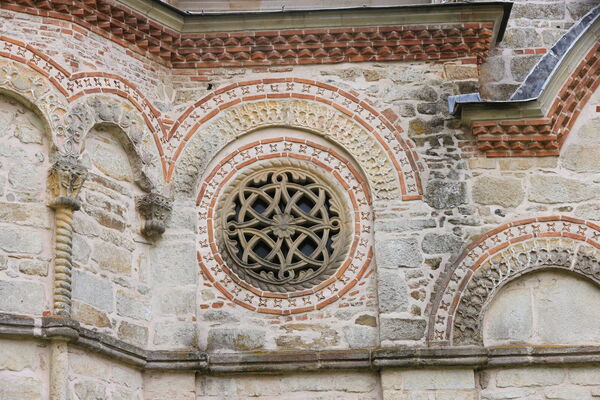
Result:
x=173 y=187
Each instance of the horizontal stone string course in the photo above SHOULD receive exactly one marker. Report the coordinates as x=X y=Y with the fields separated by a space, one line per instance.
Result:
x=47 y=328
x=542 y=137
x=133 y=30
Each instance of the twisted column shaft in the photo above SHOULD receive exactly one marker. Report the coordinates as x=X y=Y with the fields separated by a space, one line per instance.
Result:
x=63 y=261
x=65 y=180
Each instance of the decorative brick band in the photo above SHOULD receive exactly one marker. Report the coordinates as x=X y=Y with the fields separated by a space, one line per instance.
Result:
x=543 y=137
x=147 y=37
x=463 y=292
x=382 y=126
x=356 y=262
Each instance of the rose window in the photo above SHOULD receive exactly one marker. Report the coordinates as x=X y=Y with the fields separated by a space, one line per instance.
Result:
x=283 y=229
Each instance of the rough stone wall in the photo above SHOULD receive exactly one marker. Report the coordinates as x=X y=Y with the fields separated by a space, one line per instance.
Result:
x=151 y=294
x=26 y=222
x=438 y=384
x=335 y=385
x=95 y=377
x=533 y=28
x=24 y=368
x=111 y=278
x=540 y=383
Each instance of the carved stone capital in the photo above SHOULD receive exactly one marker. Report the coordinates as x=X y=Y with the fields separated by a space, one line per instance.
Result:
x=155 y=209
x=65 y=179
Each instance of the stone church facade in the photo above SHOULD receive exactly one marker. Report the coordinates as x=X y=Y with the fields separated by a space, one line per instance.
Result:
x=392 y=201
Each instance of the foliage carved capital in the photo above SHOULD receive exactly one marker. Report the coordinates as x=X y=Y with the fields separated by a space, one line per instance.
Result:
x=66 y=177
x=156 y=210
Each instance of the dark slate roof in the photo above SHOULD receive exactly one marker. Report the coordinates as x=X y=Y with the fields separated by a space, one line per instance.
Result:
x=540 y=75
x=534 y=83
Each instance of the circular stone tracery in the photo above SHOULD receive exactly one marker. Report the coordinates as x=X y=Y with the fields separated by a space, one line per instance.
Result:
x=283 y=228
x=321 y=165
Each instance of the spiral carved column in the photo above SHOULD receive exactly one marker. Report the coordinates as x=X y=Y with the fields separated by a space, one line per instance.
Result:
x=66 y=177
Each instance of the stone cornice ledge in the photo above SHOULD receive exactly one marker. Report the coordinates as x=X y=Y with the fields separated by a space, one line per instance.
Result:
x=56 y=328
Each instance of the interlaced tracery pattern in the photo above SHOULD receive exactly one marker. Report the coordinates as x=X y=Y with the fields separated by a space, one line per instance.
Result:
x=283 y=229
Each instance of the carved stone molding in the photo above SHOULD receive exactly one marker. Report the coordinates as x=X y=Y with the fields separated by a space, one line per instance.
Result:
x=365 y=359
x=467 y=288
x=390 y=173
x=155 y=210
x=66 y=177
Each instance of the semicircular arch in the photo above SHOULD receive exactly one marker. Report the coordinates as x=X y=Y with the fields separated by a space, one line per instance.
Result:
x=500 y=256
x=387 y=159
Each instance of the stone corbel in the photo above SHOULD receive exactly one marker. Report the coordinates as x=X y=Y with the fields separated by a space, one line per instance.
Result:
x=65 y=179
x=155 y=210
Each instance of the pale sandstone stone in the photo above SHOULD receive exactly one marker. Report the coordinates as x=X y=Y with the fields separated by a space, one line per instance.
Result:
x=588 y=211
x=506 y=394
x=590 y=130
x=536 y=376
x=397 y=252
x=360 y=337
x=89 y=315
x=81 y=249
x=510 y=317
x=120 y=393
x=20 y=240
x=399 y=225
x=401 y=328
x=169 y=385
x=567 y=393
x=178 y=334
x=90 y=390
x=456 y=395
x=552 y=189
x=457 y=72
x=93 y=290
x=436 y=243
x=176 y=301
x=23 y=179
x=355 y=382
x=505 y=192
x=218 y=386
x=22 y=297
x=428 y=379
x=89 y=365
x=29 y=133
x=34 y=267
x=16 y=355
x=132 y=333
x=16 y=387
x=482 y=163
x=584 y=376
x=254 y=386
x=566 y=301
x=112 y=160
x=307 y=336
x=392 y=291
x=175 y=263
x=132 y=306
x=29 y=214
x=308 y=383
x=126 y=376
x=235 y=339
x=582 y=158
